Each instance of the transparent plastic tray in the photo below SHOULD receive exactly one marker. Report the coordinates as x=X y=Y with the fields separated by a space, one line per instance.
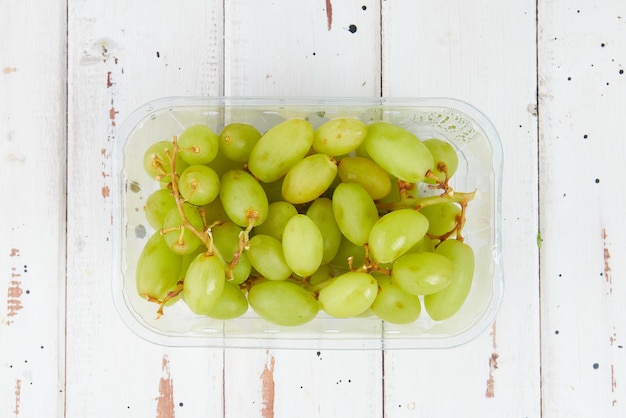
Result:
x=480 y=169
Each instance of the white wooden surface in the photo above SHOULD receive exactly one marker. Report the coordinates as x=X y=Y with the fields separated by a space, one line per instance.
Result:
x=549 y=74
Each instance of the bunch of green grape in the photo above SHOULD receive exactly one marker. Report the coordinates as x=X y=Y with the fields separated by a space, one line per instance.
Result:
x=298 y=220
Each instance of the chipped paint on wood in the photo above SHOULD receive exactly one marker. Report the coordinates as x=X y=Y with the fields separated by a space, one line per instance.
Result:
x=329 y=14
x=18 y=395
x=14 y=303
x=607 y=256
x=165 y=401
x=267 y=378
x=493 y=365
x=8 y=70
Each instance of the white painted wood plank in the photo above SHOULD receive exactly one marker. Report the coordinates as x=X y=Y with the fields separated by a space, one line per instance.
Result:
x=484 y=53
x=285 y=48
x=121 y=55
x=582 y=90
x=32 y=209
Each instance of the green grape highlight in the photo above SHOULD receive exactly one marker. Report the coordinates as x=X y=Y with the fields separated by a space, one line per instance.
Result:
x=199 y=184
x=422 y=273
x=367 y=173
x=204 y=283
x=283 y=303
x=339 y=136
x=348 y=295
x=396 y=233
x=394 y=305
x=309 y=178
x=398 y=151
x=280 y=148
x=237 y=140
x=243 y=198
x=303 y=245
x=447 y=302
x=198 y=144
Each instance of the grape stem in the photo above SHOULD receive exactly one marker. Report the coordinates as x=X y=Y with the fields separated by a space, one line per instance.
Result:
x=419 y=202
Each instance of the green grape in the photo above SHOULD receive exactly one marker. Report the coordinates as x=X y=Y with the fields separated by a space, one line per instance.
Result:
x=198 y=144
x=274 y=190
x=204 y=283
x=444 y=304
x=231 y=304
x=422 y=273
x=157 y=269
x=394 y=194
x=278 y=214
x=442 y=217
x=395 y=233
x=324 y=273
x=179 y=238
x=339 y=136
x=157 y=206
x=226 y=241
x=214 y=211
x=243 y=198
x=426 y=244
x=394 y=305
x=309 y=178
x=283 y=303
x=348 y=251
x=157 y=162
x=445 y=156
x=355 y=212
x=280 y=148
x=303 y=245
x=221 y=164
x=348 y=295
x=367 y=173
x=398 y=151
x=237 y=140
x=321 y=213
x=266 y=256
x=199 y=184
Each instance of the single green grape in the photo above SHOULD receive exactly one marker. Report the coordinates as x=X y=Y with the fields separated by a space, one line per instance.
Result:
x=199 y=184
x=283 y=303
x=214 y=211
x=442 y=217
x=237 y=140
x=445 y=158
x=226 y=241
x=280 y=148
x=231 y=304
x=321 y=213
x=367 y=173
x=339 y=136
x=266 y=256
x=324 y=273
x=180 y=239
x=198 y=144
x=422 y=273
x=243 y=198
x=395 y=233
x=204 y=283
x=157 y=269
x=220 y=164
x=394 y=305
x=303 y=245
x=398 y=151
x=277 y=216
x=307 y=179
x=447 y=302
x=355 y=212
x=348 y=295
x=274 y=190
x=157 y=206
x=157 y=162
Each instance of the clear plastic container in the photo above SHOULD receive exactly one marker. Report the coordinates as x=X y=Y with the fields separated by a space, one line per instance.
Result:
x=480 y=169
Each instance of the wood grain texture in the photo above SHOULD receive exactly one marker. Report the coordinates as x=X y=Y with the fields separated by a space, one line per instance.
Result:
x=121 y=55
x=32 y=212
x=582 y=91
x=483 y=53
